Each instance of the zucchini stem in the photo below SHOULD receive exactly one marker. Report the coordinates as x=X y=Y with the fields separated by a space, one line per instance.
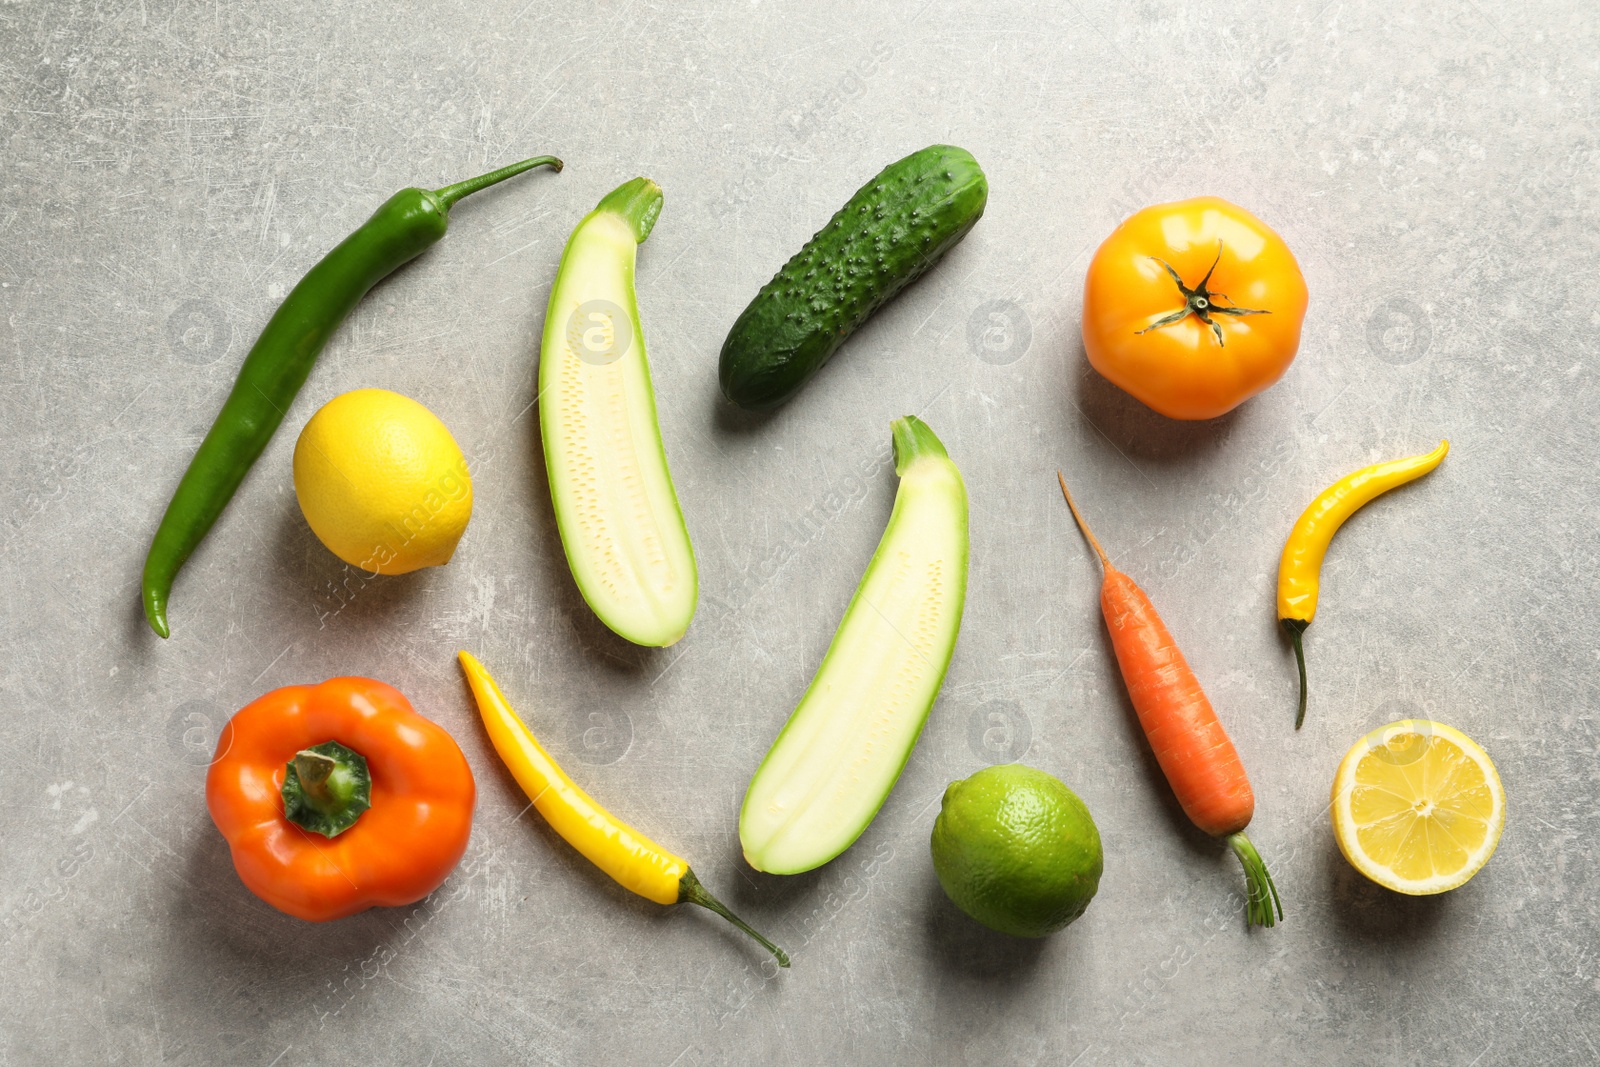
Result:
x=638 y=202
x=1263 y=895
x=913 y=439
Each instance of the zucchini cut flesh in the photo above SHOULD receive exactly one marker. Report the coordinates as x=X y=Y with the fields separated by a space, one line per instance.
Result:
x=615 y=505
x=843 y=748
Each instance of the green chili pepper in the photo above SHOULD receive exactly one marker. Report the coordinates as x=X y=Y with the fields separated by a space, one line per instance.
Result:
x=399 y=231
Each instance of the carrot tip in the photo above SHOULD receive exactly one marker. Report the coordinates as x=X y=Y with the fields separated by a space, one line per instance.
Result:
x=1105 y=561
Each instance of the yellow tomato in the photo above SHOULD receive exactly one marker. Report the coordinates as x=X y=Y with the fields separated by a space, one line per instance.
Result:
x=1193 y=307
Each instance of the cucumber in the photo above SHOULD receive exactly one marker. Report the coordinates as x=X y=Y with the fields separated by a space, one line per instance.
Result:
x=615 y=506
x=842 y=750
x=892 y=230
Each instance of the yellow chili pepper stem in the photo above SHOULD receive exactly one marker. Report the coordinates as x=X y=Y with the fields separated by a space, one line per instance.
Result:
x=695 y=893
x=1296 y=629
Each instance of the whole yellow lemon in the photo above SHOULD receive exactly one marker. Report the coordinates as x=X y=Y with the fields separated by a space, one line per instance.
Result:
x=382 y=483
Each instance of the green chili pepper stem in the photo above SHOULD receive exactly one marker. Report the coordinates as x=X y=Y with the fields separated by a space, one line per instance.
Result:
x=1263 y=894
x=451 y=193
x=402 y=228
x=692 y=892
x=1296 y=629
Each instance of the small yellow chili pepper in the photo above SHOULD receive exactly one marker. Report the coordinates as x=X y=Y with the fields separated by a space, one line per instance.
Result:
x=1300 y=569
x=634 y=861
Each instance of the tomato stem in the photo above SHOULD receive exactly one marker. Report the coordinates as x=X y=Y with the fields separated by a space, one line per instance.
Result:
x=1200 y=302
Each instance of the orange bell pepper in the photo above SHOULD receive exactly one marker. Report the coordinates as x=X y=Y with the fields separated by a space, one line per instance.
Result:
x=320 y=830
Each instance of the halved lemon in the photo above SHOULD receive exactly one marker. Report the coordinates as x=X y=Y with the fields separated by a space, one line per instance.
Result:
x=1417 y=807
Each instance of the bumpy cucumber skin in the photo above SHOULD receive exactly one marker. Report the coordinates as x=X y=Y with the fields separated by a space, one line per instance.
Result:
x=887 y=236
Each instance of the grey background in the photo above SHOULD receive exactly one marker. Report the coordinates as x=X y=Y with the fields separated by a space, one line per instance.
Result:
x=169 y=171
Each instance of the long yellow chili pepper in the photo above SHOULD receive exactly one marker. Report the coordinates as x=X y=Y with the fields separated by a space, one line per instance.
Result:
x=637 y=863
x=1300 y=569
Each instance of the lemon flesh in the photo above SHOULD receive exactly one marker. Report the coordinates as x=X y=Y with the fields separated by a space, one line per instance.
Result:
x=1417 y=807
x=382 y=483
x=615 y=505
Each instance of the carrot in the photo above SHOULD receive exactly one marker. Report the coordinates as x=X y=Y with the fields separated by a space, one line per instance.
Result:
x=1189 y=742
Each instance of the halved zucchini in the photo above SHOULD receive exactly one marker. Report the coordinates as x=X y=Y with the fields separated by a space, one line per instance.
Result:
x=844 y=747
x=615 y=506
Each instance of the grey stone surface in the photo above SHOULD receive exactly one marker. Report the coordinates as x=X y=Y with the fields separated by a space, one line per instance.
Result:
x=169 y=170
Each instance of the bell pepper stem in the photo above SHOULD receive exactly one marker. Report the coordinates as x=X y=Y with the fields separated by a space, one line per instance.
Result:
x=1296 y=629
x=692 y=892
x=326 y=788
x=315 y=770
x=451 y=193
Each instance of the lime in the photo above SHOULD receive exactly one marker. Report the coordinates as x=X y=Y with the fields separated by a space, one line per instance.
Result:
x=1017 y=850
x=382 y=483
